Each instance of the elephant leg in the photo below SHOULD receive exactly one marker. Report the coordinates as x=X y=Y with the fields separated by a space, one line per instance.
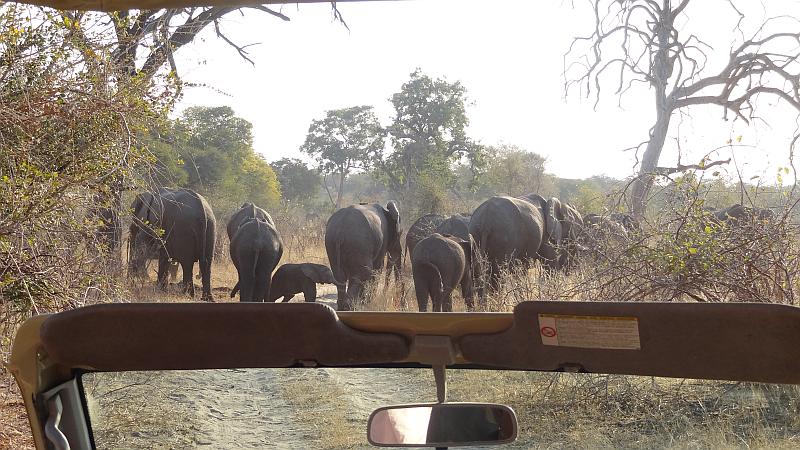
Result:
x=342 y=301
x=421 y=291
x=446 y=300
x=161 y=278
x=246 y=282
x=205 y=276
x=187 y=283
x=355 y=292
x=436 y=299
x=173 y=270
x=467 y=293
x=310 y=291
x=263 y=278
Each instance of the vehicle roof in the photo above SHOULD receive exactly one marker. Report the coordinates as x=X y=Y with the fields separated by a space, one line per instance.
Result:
x=730 y=341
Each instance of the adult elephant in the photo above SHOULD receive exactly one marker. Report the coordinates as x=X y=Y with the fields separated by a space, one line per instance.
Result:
x=628 y=221
x=740 y=215
x=255 y=251
x=601 y=234
x=358 y=239
x=422 y=228
x=246 y=212
x=456 y=225
x=571 y=228
x=509 y=230
x=178 y=225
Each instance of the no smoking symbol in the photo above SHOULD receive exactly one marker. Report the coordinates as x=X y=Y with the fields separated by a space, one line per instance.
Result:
x=548 y=331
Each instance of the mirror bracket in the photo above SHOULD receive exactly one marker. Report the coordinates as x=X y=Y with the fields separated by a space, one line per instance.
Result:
x=437 y=351
x=440 y=375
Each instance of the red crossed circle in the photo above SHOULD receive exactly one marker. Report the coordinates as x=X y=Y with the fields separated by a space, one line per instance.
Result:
x=548 y=331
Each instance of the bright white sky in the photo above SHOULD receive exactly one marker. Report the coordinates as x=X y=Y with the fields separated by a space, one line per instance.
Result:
x=509 y=55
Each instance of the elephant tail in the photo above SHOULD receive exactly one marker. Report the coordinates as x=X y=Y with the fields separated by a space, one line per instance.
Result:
x=339 y=277
x=436 y=284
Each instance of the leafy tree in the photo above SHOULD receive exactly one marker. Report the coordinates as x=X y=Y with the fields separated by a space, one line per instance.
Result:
x=138 y=47
x=345 y=141
x=253 y=181
x=588 y=199
x=513 y=170
x=298 y=182
x=647 y=42
x=64 y=136
x=428 y=136
x=209 y=150
x=218 y=127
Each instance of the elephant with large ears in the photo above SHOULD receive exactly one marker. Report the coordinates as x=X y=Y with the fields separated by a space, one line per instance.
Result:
x=512 y=230
x=178 y=225
x=291 y=279
x=255 y=251
x=439 y=264
x=358 y=239
x=571 y=228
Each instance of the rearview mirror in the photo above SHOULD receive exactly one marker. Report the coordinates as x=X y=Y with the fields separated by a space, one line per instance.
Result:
x=442 y=425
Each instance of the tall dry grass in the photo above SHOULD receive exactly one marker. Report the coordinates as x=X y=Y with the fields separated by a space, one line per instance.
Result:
x=570 y=410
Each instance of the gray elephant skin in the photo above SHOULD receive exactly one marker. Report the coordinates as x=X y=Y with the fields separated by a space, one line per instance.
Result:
x=256 y=248
x=629 y=222
x=291 y=279
x=515 y=230
x=601 y=233
x=740 y=215
x=358 y=239
x=422 y=228
x=439 y=264
x=455 y=225
x=571 y=228
x=246 y=212
x=179 y=225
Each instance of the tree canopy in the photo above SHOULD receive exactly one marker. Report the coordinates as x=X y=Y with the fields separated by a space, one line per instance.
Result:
x=299 y=183
x=428 y=134
x=344 y=141
x=210 y=150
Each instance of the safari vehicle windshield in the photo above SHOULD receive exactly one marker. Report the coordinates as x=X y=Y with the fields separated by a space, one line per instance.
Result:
x=228 y=223
x=329 y=408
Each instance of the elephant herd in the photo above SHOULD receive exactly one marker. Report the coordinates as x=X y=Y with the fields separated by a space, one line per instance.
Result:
x=466 y=251
x=178 y=226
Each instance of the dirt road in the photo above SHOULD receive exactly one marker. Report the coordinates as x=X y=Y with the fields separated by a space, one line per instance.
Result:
x=253 y=408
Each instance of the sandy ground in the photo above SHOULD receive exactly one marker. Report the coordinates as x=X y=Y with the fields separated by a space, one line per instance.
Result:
x=247 y=408
x=253 y=408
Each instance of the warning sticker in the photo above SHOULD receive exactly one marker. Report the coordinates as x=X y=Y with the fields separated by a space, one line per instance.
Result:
x=609 y=332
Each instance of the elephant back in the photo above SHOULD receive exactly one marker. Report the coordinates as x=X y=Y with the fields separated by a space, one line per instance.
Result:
x=457 y=225
x=422 y=228
x=246 y=212
x=440 y=251
x=505 y=227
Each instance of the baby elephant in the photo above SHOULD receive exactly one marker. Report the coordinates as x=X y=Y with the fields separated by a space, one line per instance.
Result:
x=291 y=279
x=440 y=263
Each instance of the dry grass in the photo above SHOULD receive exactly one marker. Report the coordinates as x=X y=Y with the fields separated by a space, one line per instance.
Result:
x=599 y=411
x=556 y=410
x=14 y=429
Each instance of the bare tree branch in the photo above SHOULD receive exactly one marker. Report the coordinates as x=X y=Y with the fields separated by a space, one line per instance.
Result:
x=640 y=41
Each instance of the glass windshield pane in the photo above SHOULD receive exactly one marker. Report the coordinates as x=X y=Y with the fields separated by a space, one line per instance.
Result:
x=329 y=408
